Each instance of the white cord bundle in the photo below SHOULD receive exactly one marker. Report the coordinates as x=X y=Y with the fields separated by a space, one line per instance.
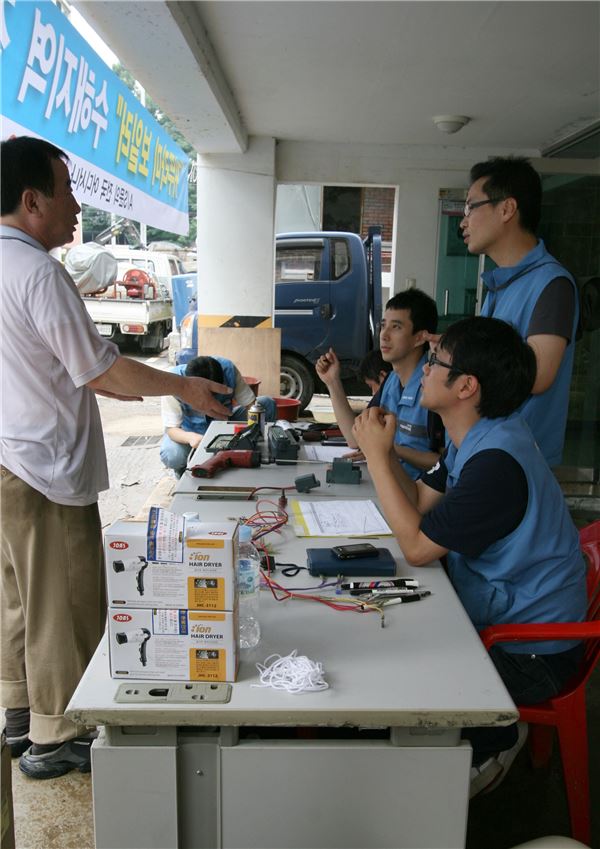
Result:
x=292 y=673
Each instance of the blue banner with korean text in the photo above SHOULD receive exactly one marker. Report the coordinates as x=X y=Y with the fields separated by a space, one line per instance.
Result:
x=56 y=87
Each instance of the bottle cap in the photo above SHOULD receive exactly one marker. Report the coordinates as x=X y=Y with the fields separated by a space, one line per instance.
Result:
x=245 y=533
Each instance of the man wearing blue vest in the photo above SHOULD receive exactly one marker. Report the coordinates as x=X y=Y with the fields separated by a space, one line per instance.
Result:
x=185 y=427
x=529 y=288
x=408 y=320
x=494 y=508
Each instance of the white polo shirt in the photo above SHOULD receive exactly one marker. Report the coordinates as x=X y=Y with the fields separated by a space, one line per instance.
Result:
x=50 y=428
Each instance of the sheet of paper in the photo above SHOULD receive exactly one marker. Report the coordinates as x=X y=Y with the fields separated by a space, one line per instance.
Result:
x=338 y=519
x=324 y=453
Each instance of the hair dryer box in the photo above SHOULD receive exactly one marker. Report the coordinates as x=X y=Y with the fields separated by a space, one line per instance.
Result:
x=173 y=645
x=190 y=565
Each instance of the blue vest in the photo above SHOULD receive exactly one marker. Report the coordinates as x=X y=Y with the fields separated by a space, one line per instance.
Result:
x=536 y=573
x=411 y=425
x=194 y=421
x=512 y=296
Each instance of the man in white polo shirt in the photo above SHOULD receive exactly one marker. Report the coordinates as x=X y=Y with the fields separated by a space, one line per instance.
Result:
x=53 y=460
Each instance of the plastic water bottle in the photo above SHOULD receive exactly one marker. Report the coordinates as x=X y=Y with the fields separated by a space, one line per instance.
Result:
x=249 y=589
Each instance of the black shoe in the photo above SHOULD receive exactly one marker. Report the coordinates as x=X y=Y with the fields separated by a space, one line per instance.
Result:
x=18 y=745
x=74 y=754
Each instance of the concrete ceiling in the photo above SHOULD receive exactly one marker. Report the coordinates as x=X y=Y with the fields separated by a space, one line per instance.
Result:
x=526 y=73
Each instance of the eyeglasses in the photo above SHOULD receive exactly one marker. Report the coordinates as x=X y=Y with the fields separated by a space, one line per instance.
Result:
x=432 y=360
x=469 y=207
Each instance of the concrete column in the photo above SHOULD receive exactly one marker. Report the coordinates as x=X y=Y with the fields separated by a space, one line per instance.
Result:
x=236 y=213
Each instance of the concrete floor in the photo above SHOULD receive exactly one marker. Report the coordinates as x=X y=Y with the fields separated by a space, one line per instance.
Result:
x=58 y=814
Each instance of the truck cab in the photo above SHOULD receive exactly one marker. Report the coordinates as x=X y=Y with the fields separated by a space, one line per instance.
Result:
x=327 y=294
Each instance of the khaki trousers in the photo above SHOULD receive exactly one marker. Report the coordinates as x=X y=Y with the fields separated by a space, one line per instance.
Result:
x=53 y=605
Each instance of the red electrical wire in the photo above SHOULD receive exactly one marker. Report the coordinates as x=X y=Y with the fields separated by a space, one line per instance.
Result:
x=268 y=521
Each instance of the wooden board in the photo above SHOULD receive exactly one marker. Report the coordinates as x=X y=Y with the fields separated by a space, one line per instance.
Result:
x=255 y=351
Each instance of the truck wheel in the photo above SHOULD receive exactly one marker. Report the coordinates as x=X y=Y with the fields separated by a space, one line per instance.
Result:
x=155 y=343
x=296 y=380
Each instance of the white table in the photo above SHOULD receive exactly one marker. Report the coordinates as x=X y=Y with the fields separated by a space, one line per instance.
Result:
x=240 y=774
x=271 y=473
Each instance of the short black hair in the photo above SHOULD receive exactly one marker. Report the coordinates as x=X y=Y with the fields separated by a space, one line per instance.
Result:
x=206 y=367
x=26 y=163
x=513 y=177
x=422 y=309
x=492 y=351
x=371 y=366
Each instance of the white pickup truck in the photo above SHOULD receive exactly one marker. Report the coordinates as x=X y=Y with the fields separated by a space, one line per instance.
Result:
x=126 y=292
x=148 y=321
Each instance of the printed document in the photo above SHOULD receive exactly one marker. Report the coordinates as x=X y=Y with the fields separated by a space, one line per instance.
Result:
x=337 y=519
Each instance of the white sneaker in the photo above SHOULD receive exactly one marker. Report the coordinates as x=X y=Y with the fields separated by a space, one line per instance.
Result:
x=483 y=776
x=506 y=758
x=492 y=772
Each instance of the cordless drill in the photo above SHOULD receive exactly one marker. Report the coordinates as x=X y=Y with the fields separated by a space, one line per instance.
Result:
x=134 y=564
x=248 y=459
x=141 y=636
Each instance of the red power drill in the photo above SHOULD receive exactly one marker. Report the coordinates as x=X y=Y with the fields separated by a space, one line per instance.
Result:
x=242 y=459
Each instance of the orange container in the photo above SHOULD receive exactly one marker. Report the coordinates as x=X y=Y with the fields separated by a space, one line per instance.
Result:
x=287 y=408
x=253 y=383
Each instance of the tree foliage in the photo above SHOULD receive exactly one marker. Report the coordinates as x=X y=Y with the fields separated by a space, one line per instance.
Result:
x=96 y=220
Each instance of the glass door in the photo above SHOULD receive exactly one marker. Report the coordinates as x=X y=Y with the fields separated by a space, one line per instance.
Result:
x=570 y=227
x=458 y=271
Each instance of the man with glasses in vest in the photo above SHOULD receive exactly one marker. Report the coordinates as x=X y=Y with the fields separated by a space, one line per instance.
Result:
x=493 y=507
x=528 y=288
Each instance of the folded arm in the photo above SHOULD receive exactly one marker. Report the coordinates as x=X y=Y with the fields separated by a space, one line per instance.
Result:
x=403 y=500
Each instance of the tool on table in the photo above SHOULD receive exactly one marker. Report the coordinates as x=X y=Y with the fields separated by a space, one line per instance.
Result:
x=343 y=471
x=220 y=492
x=246 y=439
x=283 y=444
x=318 y=432
x=306 y=482
x=133 y=564
x=335 y=440
x=242 y=459
x=141 y=636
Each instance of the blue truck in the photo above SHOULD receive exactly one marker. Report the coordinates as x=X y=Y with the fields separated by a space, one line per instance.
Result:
x=327 y=294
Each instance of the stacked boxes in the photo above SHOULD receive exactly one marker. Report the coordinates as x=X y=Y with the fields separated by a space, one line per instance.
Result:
x=172 y=595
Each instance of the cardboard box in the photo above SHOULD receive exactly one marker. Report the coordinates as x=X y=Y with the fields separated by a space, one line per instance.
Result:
x=192 y=567
x=173 y=645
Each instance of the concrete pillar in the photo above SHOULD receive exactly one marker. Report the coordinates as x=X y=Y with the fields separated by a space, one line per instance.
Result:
x=236 y=213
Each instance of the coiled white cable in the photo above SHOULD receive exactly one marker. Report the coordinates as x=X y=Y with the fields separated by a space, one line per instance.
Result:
x=291 y=673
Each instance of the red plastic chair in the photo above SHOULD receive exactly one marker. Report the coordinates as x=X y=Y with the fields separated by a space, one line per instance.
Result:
x=566 y=712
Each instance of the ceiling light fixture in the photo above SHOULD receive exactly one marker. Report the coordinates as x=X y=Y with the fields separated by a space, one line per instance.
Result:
x=450 y=123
